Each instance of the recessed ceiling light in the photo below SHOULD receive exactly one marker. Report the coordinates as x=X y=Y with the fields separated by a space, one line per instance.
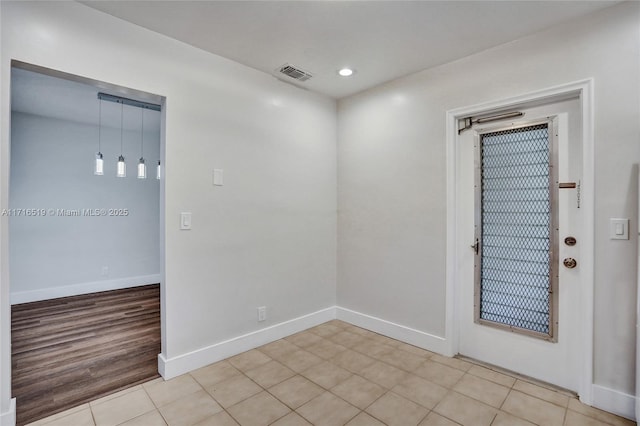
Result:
x=346 y=72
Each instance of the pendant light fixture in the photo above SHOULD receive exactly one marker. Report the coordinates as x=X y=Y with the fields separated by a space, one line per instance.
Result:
x=142 y=169
x=99 y=166
x=121 y=169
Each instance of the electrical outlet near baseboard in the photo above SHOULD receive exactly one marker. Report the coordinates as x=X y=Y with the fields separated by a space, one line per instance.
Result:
x=262 y=313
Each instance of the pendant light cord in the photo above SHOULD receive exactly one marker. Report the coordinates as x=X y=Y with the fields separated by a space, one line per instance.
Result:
x=121 y=126
x=99 y=125
x=142 y=135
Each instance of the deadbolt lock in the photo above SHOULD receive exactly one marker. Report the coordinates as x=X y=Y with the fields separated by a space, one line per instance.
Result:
x=570 y=262
x=570 y=241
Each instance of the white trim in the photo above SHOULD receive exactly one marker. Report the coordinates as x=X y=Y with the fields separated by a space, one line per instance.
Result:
x=175 y=366
x=584 y=89
x=588 y=254
x=615 y=402
x=8 y=418
x=83 y=288
x=451 y=260
x=395 y=331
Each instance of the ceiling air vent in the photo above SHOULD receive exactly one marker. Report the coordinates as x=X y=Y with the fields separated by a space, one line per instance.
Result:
x=295 y=73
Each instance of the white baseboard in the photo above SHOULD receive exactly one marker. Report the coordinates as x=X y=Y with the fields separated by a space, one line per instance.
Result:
x=173 y=367
x=8 y=418
x=83 y=288
x=614 y=401
x=395 y=331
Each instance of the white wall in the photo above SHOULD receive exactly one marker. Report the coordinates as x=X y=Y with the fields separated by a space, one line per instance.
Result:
x=53 y=255
x=392 y=180
x=267 y=237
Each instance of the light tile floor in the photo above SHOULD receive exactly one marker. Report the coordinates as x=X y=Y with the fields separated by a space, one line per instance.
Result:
x=337 y=374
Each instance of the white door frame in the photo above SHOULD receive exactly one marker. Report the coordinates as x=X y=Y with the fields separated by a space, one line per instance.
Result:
x=584 y=90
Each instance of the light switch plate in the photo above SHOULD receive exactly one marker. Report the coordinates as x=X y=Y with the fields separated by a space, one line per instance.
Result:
x=185 y=220
x=619 y=228
x=218 y=177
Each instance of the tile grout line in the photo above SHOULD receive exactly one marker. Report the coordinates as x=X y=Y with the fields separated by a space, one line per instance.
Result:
x=93 y=417
x=495 y=416
x=156 y=405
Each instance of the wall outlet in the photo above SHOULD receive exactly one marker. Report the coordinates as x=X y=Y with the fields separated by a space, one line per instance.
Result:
x=262 y=313
x=105 y=271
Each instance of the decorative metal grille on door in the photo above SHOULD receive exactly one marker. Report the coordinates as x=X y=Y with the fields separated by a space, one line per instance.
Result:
x=514 y=268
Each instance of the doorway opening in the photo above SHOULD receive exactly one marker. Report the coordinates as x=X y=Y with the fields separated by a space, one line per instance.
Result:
x=85 y=229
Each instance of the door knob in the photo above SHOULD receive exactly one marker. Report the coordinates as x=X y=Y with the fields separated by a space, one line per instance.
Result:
x=570 y=262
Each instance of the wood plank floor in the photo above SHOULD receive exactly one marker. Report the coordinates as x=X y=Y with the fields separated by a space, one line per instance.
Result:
x=71 y=350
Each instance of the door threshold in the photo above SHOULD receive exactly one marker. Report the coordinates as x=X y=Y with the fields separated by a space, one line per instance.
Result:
x=529 y=379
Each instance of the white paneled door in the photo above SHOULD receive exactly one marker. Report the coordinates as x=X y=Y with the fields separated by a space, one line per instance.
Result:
x=519 y=217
